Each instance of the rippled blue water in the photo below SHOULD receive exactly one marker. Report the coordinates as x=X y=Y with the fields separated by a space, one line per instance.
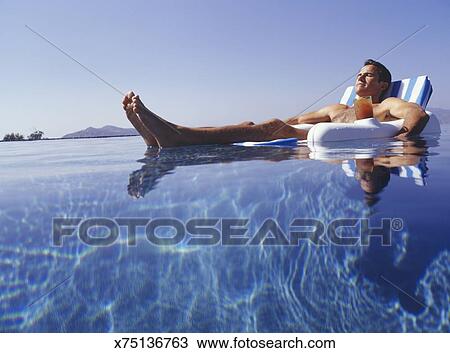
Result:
x=75 y=287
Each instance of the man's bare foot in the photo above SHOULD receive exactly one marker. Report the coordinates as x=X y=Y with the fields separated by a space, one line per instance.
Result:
x=136 y=122
x=167 y=134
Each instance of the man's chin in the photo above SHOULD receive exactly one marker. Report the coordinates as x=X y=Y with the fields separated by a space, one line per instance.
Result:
x=361 y=92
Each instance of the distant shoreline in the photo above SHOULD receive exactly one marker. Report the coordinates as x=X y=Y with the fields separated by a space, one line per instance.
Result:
x=71 y=138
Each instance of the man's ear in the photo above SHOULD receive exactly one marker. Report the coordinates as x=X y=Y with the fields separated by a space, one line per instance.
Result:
x=385 y=85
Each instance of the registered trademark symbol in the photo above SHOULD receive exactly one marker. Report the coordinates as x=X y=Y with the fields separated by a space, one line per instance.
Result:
x=397 y=224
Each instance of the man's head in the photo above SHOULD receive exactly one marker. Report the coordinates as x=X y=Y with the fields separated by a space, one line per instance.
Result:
x=372 y=178
x=375 y=181
x=372 y=80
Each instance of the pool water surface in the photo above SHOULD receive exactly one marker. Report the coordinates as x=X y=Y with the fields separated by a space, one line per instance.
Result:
x=255 y=274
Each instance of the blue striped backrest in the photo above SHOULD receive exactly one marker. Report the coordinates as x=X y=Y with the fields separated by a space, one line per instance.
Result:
x=416 y=90
x=418 y=173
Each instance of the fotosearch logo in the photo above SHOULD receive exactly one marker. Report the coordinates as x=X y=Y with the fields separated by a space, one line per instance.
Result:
x=224 y=231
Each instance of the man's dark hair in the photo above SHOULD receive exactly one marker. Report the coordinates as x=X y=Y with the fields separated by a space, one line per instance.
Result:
x=378 y=179
x=383 y=73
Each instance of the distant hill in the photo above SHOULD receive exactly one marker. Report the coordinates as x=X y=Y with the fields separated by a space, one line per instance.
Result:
x=443 y=115
x=104 y=131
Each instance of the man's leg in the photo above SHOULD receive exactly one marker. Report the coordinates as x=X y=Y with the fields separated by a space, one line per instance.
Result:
x=168 y=134
x=143 y=131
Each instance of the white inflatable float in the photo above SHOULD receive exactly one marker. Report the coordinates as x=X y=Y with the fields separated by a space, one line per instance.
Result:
x=360 y=129
x=358 y=140
x=417 y=90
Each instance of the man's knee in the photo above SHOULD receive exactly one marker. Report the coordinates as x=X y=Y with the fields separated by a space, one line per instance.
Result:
x=277 y=128
x=274 y=123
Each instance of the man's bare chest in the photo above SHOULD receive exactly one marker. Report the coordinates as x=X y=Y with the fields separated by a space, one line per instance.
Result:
x=347 y=114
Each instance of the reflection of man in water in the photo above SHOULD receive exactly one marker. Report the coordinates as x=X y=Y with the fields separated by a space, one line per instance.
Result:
x=374 y=174
x=158 y=163
x=372 y=178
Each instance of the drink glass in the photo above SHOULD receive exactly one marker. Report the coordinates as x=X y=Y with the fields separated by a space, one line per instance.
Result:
x=363 y=107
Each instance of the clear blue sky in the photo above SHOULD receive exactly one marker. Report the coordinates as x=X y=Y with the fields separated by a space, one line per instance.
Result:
x=204 y=62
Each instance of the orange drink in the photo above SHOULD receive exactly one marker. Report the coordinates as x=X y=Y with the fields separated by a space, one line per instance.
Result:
x=363 y=107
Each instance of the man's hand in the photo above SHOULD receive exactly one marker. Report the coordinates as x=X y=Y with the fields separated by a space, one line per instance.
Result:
x=403 y=134
x=415 y=117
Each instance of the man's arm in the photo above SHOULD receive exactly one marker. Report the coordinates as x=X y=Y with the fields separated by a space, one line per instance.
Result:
x=415 y=117
x=320 y=116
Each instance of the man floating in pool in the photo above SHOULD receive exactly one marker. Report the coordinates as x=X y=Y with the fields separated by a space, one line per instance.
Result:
x=372 y=80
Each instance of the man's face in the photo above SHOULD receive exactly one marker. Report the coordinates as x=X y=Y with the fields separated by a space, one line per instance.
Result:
x=367 y=82
x=375 y=181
